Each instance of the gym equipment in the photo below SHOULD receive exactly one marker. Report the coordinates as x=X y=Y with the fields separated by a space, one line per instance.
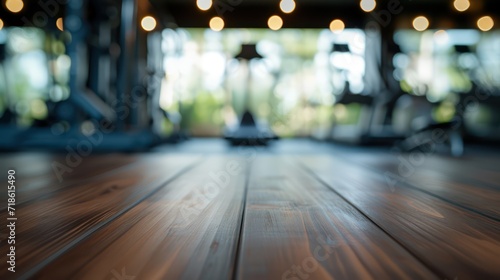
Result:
x=249 y=132
x=370 y=128
x=108 y=105
x=391 y=116
x=483 y=98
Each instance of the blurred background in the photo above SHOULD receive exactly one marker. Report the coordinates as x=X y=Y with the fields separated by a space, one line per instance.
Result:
x=130 y=74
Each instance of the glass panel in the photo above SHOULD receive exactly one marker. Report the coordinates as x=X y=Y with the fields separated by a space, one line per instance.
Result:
x=292 y=88
x=34 y=72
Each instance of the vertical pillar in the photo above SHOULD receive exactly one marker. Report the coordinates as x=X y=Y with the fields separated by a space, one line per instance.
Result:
x=126 y=62
x=74 y=23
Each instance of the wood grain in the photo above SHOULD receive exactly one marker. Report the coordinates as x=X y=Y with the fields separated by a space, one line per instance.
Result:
x=51 y=224
x=452 y=180
x=188 y=230
x=324 y=213
x=296 y=228
x=36 y=177
x=457 y=243
x=479 y=169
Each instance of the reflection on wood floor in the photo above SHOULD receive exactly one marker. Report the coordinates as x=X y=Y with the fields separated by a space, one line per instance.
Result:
x=296 y=210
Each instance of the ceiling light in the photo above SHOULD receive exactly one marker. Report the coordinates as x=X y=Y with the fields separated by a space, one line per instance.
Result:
x=148 y=23
x=60 y=24
x=367 y=5
x=420 y=23
x=204 y=4
x=14 y=6
x=287 y=6
x=275 y=23
x=216 y=24
x=485 y=23
x=461 y=5
x=337 y=26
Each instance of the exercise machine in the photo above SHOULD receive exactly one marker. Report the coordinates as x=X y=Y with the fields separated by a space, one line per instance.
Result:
x=248 y=131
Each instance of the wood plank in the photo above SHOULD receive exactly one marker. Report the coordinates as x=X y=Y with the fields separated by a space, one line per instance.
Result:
x=296 y=228
x=188 y=230
x=457 y=243
x=35 y=176
x=33 y=164
x=28 y=166
x=457 y=182
x=470 y=168
x=49 y=225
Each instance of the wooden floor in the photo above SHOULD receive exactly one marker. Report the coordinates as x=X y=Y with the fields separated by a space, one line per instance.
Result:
x=295 y=210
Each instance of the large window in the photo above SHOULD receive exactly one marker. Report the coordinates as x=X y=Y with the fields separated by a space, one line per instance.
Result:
x=35 y=70
x=437 y=63
x=292 y=87
x=444 y=64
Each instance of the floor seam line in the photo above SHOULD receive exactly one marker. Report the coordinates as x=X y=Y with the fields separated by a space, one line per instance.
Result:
x=413 y=187
x=431 y=268
x=30 y=273
x=237 y=259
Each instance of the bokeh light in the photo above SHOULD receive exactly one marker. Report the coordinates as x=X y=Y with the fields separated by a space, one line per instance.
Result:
x=485 y=23
x=287 y=6
x=275 y=23
x=14 y=6
x=337 y=26
x=420 y=23
x=368 y=5
x=148 y=23
x=461 y=5
x=60 y=24
x=204 y=5
x=441 y=37
x=216 y=24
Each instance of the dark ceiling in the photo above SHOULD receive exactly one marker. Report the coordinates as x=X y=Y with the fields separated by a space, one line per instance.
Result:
x=318 y=13
x=255 y=13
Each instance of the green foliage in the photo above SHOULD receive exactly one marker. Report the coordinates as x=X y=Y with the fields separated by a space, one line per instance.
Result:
x=204 y=110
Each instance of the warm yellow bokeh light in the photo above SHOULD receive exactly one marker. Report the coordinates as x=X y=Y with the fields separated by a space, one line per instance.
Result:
x=60 y=24
x=337 y=26
x=485 y=23
x=1 y=24
x=14 y=6
x=287 y=6
x=461 y=5
x=148 y=23
x=420 y=23
x=275 y=23
x=216 y=24
x=204 y=4
x=368 y=5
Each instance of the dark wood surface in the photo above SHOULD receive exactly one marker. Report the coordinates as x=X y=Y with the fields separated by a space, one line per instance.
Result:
x=441 y=234
x=295 y=210
x=187 y=230
x=37 y=175
x=295 y=227
x=50 y=224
